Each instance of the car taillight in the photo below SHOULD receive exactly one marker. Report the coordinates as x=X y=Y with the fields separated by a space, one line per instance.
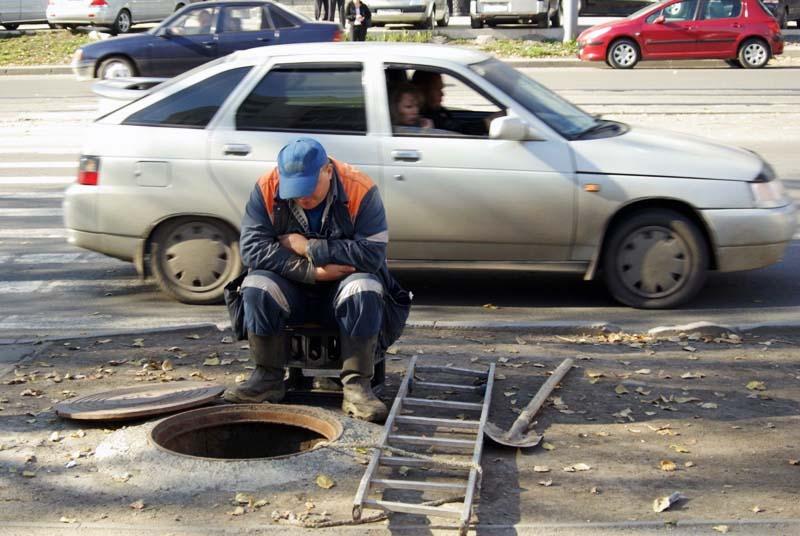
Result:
x=89 y=170
x=337 y=35
x=99 y=3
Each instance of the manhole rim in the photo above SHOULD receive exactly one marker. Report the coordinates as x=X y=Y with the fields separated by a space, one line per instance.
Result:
x=325 y=417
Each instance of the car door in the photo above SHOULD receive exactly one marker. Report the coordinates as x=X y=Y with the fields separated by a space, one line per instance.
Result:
x=10 y=10
x=718 y=26
x=189 y=40
x=32 y=10
x=454 y=194
x=293 y=98
x=244 y=26
x=671 y=31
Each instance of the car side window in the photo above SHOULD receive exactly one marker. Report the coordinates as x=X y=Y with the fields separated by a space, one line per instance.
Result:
x=721 y=9
x=677 y=12
x=280 y=19
x=427 y=102
x=193 y=107
x=244 y=19
x=325 y=99
x=195 y=22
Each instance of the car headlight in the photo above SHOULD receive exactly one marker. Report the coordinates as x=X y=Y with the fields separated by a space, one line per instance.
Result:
x=77 y=56
x=768 y=190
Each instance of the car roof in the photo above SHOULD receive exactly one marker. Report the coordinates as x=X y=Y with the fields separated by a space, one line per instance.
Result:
x=412 y=51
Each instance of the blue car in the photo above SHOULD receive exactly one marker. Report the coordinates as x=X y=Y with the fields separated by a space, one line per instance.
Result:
x=196 y=34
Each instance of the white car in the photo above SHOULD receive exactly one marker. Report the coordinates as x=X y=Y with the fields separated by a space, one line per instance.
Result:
x=515 y=179
x=16 y=12
x=117 y=15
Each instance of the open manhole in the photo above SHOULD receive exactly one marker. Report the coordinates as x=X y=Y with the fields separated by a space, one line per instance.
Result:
x=247 y=431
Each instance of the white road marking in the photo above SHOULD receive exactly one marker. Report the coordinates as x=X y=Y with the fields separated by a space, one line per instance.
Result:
x=39 y=165
x=50 y=258
x=30 y=212
x=54 y=232
x=45 y=286
x=38 y=180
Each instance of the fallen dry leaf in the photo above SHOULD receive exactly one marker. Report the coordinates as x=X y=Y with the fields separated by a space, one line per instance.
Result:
x=260 y=503
x=692 y=375
x=541 y=469
x=122 y=477
x=167 y=365
x=238 y=511
x=679 y=448
x=594 y=374
x=688 y=348
x=708 y=405
x=28 y=474
x=138 y=343
x=688 y=464
x=490 y=306
x=721 y=528
x=193 y=336
x=643 y=371
x=65 y=519
x=243 y=498
x=227 y=339
x=325 y=482
x=794 y=462
x=756 y=386
x=548 y=446
x=620 y=390
x=594 y=491
x=211 y=362
x=240 y=378
x=137 y=505
x=663 y=503
x=576 y=467
x=667 y=465
x=403 y=471
x=546 y=483
x=757 y=509
x=55 y=437
x=686 y=399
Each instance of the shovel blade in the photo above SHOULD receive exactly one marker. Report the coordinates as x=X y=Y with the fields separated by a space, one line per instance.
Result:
x=502 y=437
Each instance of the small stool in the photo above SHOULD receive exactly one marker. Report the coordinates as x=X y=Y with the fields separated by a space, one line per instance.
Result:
x=315 y=352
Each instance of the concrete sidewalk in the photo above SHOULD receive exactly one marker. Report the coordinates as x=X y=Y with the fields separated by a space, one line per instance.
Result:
x=722 y=409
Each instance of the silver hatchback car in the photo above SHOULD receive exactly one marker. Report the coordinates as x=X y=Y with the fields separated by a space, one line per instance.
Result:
x=421 y=13
x=516 y=178
x=117 y=15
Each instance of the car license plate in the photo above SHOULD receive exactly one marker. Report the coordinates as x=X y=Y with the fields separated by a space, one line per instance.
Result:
x=389 y=11
x=495 y=8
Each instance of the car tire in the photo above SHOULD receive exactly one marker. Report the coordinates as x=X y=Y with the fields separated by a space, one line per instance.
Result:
x=558 y=16
x=193 y=259
x=445 y=19
x=10 y=27
x=116 y=67
x=179 y=7
x=736 y=64
x=123 y=22
x=783 y=18
x=655 y=259
x=475 y=23
x=754 y=53
x=544 y=21
x=430 y=22
x=623 y=54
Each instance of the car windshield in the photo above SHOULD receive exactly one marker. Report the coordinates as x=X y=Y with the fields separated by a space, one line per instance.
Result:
x=559 y=114
x=646 y=9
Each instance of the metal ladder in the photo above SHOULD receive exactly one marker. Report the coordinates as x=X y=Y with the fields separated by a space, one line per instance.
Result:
x=391 y=439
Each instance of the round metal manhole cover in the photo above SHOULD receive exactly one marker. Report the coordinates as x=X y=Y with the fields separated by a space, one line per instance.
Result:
x=140 y=401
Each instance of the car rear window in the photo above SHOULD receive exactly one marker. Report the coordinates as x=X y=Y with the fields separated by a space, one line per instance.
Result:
x=324 y=99
x=192 y=107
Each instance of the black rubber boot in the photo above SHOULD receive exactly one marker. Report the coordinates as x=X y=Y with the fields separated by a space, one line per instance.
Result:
x=265 y=383
x=358 y=355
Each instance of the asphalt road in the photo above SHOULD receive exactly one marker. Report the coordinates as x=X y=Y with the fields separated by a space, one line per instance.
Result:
x=50 y=288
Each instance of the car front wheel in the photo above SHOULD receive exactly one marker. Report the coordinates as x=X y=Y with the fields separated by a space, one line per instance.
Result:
x=116 y=67
x=623 y=54
x=193 y=259
x=475 y=23
x=445 y=18
x=655 y=259
x=753 y=54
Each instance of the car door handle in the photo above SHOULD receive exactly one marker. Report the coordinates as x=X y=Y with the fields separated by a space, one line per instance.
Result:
x=209 y=44
x=236 y=149
x=736 y=25
x=264 y=39
x=406 y=156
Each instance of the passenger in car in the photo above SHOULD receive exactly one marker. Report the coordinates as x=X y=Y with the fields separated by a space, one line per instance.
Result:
x=314 y=238
x=406 y=102
x=432 y=87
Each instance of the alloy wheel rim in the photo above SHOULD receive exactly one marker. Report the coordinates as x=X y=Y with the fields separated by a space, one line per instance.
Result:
x=124 y=22
x=196 y=257
x=624 y=54
x=653 y=262
x=117 y=69
x=755 y=54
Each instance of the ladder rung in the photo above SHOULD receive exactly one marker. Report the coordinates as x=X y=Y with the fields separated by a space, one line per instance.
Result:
x=441 y=441
x=410 y=401
x=450 y=386
x=453 y=370
x=419 y=485
x=400 y=461
x=432 y=421
x=408 y=508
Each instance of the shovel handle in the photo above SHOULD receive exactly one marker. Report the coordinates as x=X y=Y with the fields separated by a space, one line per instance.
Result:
x=523 y=422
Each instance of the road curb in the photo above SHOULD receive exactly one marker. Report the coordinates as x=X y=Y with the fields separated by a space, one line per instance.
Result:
x=36 y=69
x=116 y=333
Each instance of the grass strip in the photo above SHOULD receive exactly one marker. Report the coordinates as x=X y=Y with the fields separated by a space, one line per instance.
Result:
x=41 y=48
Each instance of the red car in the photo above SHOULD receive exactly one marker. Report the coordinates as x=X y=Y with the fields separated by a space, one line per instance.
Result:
x=741 y=32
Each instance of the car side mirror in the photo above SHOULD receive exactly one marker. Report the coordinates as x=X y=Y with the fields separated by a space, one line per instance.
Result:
x=166 y=33
x=511 y=129
x=660 y=20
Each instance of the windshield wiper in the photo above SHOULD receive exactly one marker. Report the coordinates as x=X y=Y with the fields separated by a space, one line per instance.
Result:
x=601 y=125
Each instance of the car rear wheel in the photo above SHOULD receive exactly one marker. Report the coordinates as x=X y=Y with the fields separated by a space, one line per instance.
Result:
x=544 y=20
x=122 y=24
x=623 y=54
x=193 y=259
x=116 y=67
x=475 y=23
x=445 y=18
x=754 y=54
x=430 y=22
x=656 y=259
x=10 y=27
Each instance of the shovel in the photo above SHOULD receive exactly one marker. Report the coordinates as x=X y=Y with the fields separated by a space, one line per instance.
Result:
x=519 y=434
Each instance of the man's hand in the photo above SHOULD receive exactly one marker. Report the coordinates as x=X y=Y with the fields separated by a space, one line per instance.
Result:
x=332 y=272
x=295 y=242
